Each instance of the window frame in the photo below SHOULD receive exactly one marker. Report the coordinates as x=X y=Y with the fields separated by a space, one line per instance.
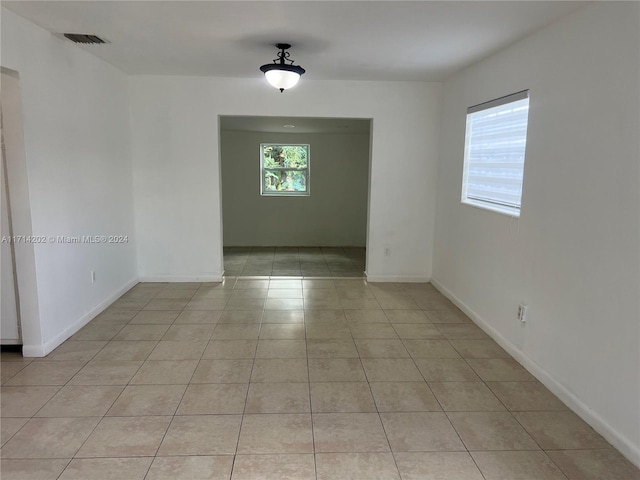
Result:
x=285 y=193
x=493 y=204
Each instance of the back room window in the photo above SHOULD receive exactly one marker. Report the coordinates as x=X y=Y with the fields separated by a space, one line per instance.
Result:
x=494 y=153
x=284 y=169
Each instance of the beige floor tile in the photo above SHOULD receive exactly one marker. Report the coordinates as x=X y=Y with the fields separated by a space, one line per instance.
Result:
x=324 y=316
x=211 y=399
x=355 y=293
x=245 y=304
x=166 y=304
x=235 y=332
x=462 y=331
x=106 y=373
x=241 y=317
x=9 y=369
x=491 y=431
x=178 y=350
x=49 y=438
x=175 y=294
x=230 y=349
x=373 y=330
x=420 y=432
x=191 y=468
x=191 y=332
x=500 y=370
x=223 y=371
x=327 y=330
x=356 y=316
x=404 y=397
x=560 y=430
x=526 y=396
x=517 y=466
x=142 y=332
x=322 y=284
x=283 y=316
x=75 y=351
x=154 y=372
x=188 y=317
x=107 y=469
x=356 y=466
x=336 y=370
x=594 y=465
x=430 y=348
x=202 y=435
x=139 y=400
x=479 y=349
x=130 y=303
x=9 y=427
x=123 y=350
x=284 y=304
x=156 y=317
x=437 y=466
x=285 y=283
x=46 y=373
x=280 y=370
x=81 y=401
x=406 y=316
x=210 y=304
x=349 y=432
x=285 y=293
x=321 y=294
x=115 y=316
x=418 y=331
x=281 y=467
x=250 y=293
x=32 y=469
x=276 y=331
x=337 y=397
x=97 y=331
x=276 y=433
x=24 y=401
x=465 y=397
x=278 y=398
x=391 y=370
x=381 y=348
x=281 y=349
x=251 y=283
x=125 y=437
x=446 y=370
x=449 y=315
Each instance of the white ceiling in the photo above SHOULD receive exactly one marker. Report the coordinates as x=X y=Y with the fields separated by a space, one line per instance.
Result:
x=333 y=40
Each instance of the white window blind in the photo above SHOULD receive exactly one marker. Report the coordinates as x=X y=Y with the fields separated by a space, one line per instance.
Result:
x=495 y=144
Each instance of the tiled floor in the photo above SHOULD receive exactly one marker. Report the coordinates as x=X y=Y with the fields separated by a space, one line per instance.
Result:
x=294 y=261
x=288 y=379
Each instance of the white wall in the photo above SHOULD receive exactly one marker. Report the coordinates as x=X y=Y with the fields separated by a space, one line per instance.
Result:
x=335 y=212
x=177 y=166
x=573 y=257
x=78 y=159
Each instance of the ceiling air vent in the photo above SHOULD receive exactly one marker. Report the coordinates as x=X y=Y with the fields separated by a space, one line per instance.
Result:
x=84 y=38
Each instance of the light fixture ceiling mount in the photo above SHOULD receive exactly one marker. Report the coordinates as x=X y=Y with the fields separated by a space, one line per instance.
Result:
x=282 y=73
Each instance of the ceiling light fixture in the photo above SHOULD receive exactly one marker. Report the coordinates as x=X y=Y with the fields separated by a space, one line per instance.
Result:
x=281 y=74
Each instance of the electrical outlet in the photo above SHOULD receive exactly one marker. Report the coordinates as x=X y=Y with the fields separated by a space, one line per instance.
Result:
x=93 y=276
x=387 y=252
x=522 y=312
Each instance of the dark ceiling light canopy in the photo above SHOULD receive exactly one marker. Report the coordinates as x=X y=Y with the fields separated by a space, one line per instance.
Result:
x=282 y=73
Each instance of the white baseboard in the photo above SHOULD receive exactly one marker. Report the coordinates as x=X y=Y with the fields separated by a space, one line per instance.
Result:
x=49 y=346
x=181 y=278
x=620 y=442
x=396 y=278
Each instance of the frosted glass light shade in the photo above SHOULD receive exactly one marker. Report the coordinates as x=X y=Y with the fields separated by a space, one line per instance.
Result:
x=282 y=79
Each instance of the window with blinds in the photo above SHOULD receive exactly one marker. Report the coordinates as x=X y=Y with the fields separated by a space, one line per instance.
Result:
x=494 y=153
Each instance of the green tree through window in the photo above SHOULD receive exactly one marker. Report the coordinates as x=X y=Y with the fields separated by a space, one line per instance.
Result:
x=285 y=169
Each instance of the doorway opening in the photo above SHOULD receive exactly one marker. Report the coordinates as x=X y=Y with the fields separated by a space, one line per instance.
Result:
x=295 y=193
